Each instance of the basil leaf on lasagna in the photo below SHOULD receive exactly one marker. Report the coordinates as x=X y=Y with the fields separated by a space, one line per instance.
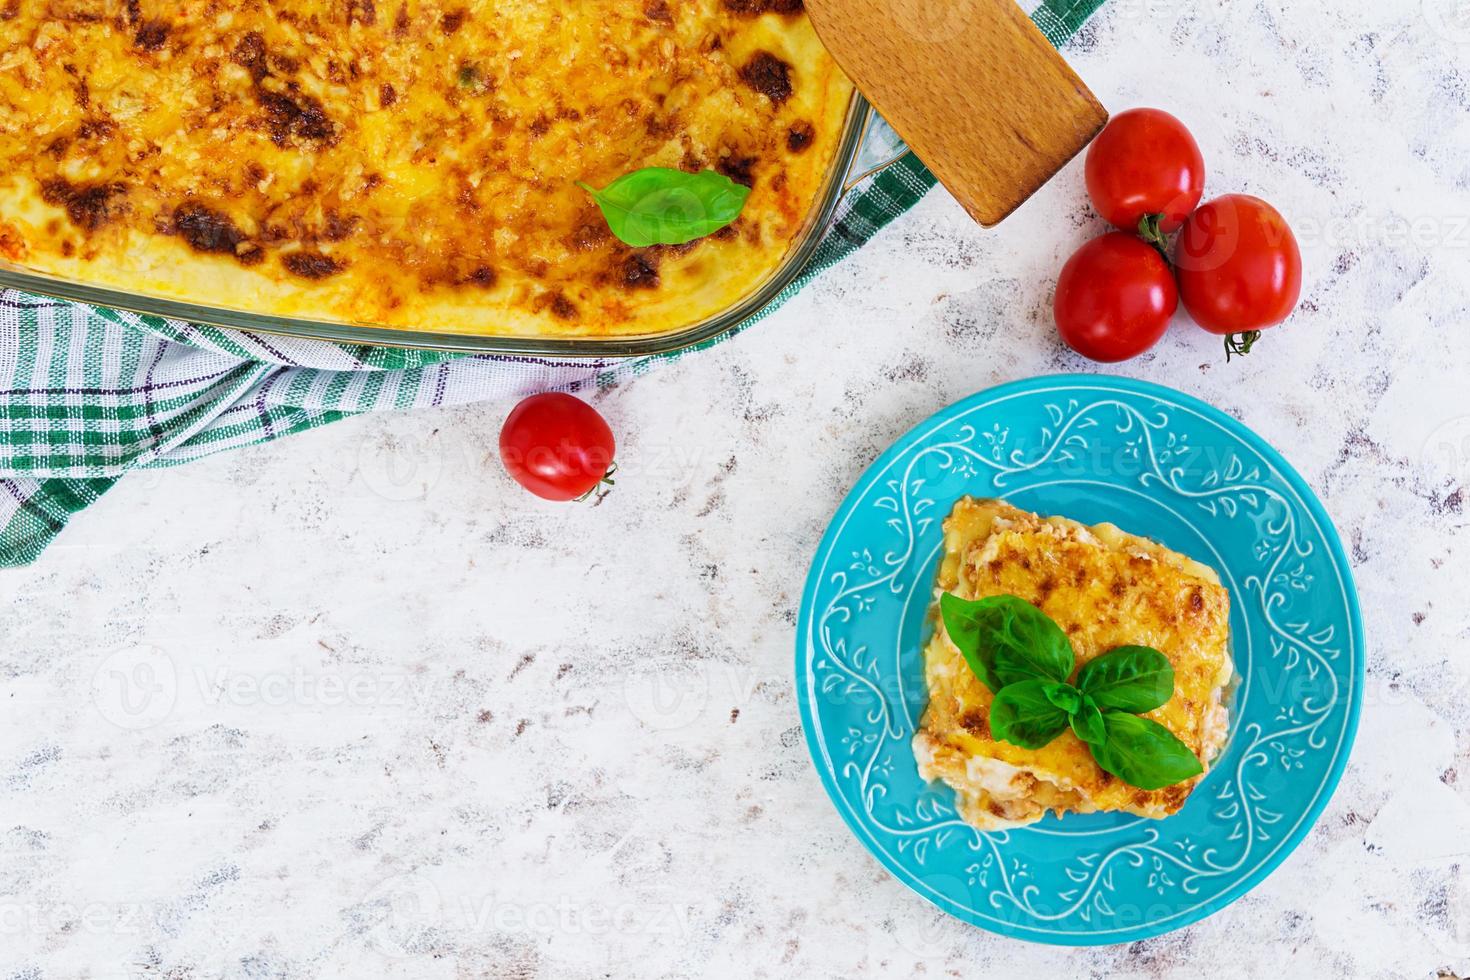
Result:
x=1130 y=678
x=1020 y=642
x=1023 y=715
x=660 y=206
x=1064 y=696
x=1087 y=722
x=1143 y=753
x=962 y=621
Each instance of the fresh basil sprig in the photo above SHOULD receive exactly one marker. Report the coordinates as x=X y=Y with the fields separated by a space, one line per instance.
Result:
x=1026 y=715
x=1006 y=640
x=1025 y=659
x=1131 y=678
x=659 y=206
x=1087 y=723
x=1064 y=696
x=1143 y=753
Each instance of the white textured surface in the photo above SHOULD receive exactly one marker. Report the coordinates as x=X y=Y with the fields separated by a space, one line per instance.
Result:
x=404 y=721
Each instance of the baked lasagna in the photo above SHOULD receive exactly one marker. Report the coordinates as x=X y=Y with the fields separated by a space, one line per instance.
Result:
x=407 y=162
x=1106 y=589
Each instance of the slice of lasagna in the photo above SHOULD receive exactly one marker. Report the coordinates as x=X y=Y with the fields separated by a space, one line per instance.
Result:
x=1106 y=589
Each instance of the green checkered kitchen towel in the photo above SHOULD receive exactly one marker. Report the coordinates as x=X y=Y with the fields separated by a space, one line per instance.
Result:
x=87 y=394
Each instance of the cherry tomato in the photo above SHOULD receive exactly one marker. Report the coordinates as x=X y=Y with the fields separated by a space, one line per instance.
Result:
x=1239 y=268
x=1115 y=297
x=1144 y=164
x=557 y=446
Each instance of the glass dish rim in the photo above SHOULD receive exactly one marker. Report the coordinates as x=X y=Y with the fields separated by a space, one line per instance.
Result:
x=839 y=181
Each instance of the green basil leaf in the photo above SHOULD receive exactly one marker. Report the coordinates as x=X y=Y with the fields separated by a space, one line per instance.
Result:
x=1129 y=678
x=659 y=206
x=1023 y=715
x=962 y=623
x=1006 y=640
x=1024 y=642
x=1087 y=722
x=1144 y=753
x=1064 y=696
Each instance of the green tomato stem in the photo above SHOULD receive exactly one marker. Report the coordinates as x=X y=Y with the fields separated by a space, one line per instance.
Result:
x=606 y=480
x=1149 y=231
x=1240 y=343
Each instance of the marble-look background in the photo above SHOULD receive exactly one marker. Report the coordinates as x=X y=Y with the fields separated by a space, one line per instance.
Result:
x=352 y=706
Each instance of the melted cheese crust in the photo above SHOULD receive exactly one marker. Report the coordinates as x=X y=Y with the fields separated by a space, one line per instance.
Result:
x=407 y=163
x=1107 y=589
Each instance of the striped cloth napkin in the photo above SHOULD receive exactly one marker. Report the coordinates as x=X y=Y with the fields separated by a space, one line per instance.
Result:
x=88 y=393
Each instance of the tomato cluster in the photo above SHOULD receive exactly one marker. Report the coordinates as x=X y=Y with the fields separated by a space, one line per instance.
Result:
x=1236 y=264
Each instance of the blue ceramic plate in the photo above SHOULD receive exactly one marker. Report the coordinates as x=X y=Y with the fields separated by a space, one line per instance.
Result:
x=1156 y=463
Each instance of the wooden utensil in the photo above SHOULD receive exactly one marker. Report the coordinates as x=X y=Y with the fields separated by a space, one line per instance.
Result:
x=972 y=86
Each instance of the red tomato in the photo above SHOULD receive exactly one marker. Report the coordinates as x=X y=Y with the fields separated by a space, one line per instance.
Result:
x=1239 y=268
x=1114 y=298
x=557 y=446
x=1145 y=163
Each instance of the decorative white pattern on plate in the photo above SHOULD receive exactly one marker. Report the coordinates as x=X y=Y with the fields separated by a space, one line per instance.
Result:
x=1156 y=463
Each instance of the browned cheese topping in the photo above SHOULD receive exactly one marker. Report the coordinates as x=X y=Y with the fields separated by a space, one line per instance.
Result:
x=406 y=162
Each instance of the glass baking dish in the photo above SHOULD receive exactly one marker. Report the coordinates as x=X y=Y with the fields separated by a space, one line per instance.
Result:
x=867 y=146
